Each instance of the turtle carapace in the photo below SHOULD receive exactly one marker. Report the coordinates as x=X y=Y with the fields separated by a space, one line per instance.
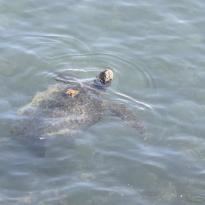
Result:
x=69 y=106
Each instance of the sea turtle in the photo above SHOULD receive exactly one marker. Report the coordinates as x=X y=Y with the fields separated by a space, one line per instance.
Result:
x=70 y=105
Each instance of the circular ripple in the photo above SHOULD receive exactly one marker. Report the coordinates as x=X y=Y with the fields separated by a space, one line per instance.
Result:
x=128 y=76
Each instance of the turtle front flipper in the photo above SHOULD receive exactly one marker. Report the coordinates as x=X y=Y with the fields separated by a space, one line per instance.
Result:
x=67 y=79
x=121 y=111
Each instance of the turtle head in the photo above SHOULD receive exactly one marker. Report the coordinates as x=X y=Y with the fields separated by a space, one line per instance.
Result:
x=104 y=79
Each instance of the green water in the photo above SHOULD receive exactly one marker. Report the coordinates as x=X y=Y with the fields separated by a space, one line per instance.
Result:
x=156 y=49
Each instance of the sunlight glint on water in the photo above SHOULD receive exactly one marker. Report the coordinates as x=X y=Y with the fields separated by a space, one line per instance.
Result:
x=156 y=51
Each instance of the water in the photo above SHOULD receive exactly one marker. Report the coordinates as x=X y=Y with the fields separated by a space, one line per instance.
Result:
x=157 y=52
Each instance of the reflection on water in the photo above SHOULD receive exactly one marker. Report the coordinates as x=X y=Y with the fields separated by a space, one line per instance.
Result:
x=156 y=50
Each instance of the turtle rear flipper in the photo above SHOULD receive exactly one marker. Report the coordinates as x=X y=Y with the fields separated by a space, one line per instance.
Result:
x=38 y=146
x=35 y=144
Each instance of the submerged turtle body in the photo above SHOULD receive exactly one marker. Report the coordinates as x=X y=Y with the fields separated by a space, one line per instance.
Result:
x=55 y=112
x=65 y=108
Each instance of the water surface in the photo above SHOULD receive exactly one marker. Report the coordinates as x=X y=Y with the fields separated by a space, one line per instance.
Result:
x=157 y=52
